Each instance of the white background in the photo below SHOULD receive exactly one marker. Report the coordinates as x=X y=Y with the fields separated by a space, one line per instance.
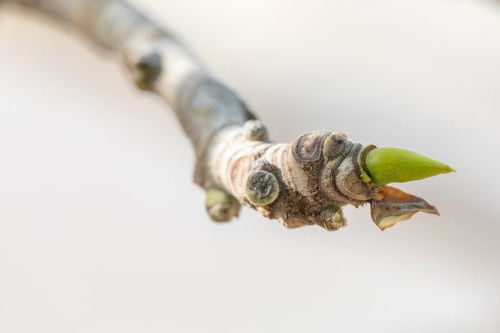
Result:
x=102 y=229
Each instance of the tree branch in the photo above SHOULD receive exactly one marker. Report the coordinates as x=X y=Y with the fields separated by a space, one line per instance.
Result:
x=302 y=183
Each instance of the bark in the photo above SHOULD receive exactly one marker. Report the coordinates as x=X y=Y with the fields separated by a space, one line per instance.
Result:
x=301 y=183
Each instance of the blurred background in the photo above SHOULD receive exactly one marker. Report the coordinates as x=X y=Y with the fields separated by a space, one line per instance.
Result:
x=102 y=229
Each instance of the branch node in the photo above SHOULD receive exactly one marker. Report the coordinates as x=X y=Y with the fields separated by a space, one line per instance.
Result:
x=307 y=148
x=146 y=69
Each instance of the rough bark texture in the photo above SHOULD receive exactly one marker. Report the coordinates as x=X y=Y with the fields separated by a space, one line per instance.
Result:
x=301 y=183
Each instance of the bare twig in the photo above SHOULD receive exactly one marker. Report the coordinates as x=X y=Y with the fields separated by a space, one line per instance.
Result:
x=302 y=183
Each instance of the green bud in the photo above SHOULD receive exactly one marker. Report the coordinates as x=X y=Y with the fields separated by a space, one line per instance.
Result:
x=395 y=165
x=262 y=188
x=220 y=205
x=332 y=218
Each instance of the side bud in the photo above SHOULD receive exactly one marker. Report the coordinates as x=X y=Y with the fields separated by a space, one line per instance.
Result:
x=254 y=130
x=262 y=187
x=332 y=218
x=220 y=205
